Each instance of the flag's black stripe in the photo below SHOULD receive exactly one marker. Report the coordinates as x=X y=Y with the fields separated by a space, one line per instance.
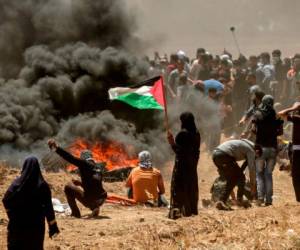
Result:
x=148 y=82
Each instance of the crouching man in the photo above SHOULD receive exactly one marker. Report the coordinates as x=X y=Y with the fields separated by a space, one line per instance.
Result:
x=225 y=157
x=89 y=191
x=145 y=182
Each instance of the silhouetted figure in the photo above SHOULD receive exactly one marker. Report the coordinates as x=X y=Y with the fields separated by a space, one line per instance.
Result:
x=184 y=185
x=28 y=202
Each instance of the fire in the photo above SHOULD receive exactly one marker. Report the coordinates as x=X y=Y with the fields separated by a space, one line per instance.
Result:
x=112 y=153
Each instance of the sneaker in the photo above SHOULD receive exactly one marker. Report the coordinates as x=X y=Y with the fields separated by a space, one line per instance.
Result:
x=244 y=204
x=222 y=206
x=268 y=204
x=95 y=212
x=75 y=215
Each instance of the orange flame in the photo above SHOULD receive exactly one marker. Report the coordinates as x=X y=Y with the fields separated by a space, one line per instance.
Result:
x=112 y=153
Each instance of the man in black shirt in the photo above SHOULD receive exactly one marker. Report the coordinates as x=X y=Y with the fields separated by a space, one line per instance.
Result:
x=93 y=194
x=267 y=128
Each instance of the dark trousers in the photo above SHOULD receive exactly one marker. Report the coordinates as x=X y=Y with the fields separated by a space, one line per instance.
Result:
x=161 y=201
x=27 y=239
x=74 y=193
x=231 y=172
x=296 y=173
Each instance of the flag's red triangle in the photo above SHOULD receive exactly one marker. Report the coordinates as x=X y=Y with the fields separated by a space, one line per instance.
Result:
x=158 y=92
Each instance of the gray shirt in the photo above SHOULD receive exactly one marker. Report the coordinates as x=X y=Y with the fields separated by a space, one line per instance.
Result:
x=240 y=150
x=174 y=80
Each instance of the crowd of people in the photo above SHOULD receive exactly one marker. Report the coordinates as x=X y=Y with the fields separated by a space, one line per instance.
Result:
x=247 y=93
x=237 y=86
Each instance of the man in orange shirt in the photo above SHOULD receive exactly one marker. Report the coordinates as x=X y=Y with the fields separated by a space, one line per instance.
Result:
x=146 y=182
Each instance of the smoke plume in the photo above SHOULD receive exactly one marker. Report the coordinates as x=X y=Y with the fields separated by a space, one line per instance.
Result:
x=55 y=23
x=63 y=56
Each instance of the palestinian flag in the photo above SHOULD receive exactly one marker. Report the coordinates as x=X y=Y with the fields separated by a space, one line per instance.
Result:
x=148 y=94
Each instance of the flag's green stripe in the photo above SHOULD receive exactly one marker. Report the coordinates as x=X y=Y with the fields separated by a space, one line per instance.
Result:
x=140 y=101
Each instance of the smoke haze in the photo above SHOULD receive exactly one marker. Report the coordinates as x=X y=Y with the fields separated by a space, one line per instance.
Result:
x=171 y=25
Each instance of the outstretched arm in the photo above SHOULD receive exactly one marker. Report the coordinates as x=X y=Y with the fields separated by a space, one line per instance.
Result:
x=64 y=154
x=284 y=113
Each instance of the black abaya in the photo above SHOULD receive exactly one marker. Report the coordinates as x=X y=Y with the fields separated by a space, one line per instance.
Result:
x=184 y=186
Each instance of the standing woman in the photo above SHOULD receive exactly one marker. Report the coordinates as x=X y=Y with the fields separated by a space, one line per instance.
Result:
x=27 y=202
x=184 y=185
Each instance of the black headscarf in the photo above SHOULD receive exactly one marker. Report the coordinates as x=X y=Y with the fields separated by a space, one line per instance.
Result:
x=266 y=107
x=27 y=185
x=188 y=122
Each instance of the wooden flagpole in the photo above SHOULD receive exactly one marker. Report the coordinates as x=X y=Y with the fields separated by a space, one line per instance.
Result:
x=165 y=105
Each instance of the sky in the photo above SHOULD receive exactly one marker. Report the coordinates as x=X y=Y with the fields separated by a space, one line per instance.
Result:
x=170 y=25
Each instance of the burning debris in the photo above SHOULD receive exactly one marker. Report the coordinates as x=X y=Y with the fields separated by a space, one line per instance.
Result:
x=112 y=154
x=113 y=160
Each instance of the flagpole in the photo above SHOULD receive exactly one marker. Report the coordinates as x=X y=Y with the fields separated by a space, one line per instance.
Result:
x=165 y=105
x=170 y=215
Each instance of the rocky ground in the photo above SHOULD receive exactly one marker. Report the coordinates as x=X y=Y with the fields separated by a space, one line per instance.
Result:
x=119 y=227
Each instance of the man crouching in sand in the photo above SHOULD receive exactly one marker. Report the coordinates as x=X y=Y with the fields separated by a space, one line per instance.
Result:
x=93 y=194
x=225 y=157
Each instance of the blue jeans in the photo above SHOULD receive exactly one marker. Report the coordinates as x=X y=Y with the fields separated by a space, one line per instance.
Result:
x=264 y=170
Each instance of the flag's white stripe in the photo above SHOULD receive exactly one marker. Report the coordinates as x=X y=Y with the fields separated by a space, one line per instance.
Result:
x=115 y=92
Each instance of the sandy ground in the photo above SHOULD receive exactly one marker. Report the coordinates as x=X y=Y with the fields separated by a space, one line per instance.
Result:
x=119 y=227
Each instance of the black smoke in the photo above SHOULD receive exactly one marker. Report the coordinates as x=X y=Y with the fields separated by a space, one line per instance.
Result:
x=56 y=85
x=55 y=23
x=62 y=57
x=58 y=60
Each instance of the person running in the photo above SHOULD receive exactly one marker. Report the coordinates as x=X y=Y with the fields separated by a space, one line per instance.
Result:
x=184 y=184
x=27 y=203
x=91 y=194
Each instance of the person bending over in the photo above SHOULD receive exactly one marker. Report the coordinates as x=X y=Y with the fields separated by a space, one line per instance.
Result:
x=225 y=157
